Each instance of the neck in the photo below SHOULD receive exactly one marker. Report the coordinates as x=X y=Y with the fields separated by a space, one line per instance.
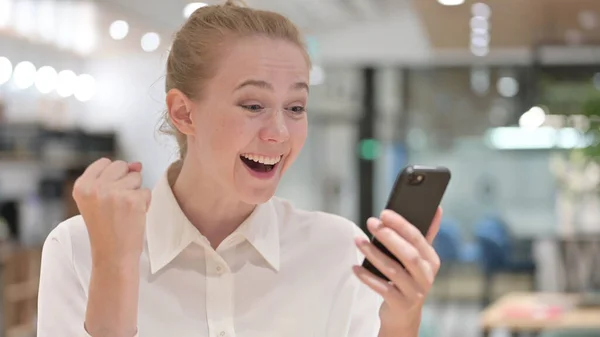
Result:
x=207 y=205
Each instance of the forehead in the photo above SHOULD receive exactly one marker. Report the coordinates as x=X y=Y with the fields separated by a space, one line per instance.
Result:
x=263 y=58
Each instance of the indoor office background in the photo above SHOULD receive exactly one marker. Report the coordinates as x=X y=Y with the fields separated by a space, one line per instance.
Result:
x=506 y=93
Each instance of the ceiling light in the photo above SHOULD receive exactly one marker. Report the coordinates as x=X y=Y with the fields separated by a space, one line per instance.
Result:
x=479 y=23
x=119 y=29
x=480 y=39
x=480 y=50
x=150 y=42
x=66 y=82
x=190 y=8
x=507 y=87
x=46 y=79
x=534 y=118
x=24 y=75
x=451 y=2
x=6 y=70
x=480 y=29
x=481 y=10
x=85 y=88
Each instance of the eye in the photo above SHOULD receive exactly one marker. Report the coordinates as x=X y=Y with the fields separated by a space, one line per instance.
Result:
x=297 y=110
x=253 y=107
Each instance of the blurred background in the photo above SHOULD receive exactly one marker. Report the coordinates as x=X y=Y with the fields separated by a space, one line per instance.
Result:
x=506 y=93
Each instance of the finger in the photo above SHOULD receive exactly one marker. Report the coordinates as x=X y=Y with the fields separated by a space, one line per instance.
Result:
x=133 y=181
x=409 y=233
x=94 y=170
x=418 y=267
x=135 y=166
x=390 y=294
x=390 y=268
x=435 y=226
x=84 y=184
x=137 y=200
x=146 y=195
x=115 y=171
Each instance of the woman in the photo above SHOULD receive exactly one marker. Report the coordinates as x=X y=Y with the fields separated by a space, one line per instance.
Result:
x=210 y=251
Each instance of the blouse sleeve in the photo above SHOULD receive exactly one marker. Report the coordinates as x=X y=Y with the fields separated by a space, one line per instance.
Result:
x=62 y=300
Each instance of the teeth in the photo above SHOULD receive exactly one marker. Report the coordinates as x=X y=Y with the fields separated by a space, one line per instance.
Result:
x=262 y=159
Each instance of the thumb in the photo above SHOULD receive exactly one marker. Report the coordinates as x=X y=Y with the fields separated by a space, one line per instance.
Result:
x=135 y=167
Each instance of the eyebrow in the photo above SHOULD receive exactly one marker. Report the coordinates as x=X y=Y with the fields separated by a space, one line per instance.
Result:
x=266 y=85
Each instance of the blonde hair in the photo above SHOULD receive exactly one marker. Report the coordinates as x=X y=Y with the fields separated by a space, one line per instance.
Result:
x=193 y=57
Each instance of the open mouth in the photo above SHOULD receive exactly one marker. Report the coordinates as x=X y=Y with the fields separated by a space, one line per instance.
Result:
x=260 y=163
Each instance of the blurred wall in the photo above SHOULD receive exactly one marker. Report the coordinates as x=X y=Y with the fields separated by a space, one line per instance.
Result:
x=517 y=185
x=18 y=178
x=131 y=100
x=369 y=42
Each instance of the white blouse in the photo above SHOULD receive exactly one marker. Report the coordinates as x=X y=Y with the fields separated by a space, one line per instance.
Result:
x=284 y=272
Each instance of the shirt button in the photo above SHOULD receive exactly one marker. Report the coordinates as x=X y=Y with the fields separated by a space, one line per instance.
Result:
x=220 y=269
x=222 y=334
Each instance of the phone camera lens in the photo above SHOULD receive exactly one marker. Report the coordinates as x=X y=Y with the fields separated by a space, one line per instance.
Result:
x=416 y=178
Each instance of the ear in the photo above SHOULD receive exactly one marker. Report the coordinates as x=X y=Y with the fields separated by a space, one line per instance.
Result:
x=180 y=108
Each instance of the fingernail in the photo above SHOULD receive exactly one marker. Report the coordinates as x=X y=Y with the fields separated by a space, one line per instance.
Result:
x=361 y=242
x=374 y=224
x=385 y=214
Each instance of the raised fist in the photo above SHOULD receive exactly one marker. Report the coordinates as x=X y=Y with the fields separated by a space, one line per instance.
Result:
x=113 y=205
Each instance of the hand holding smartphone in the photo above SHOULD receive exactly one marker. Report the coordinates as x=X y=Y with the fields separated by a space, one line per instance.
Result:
x=416 y=195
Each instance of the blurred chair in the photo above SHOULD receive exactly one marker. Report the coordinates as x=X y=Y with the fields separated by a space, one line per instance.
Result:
x=451 y=247
x=452 y=250
x=497 y=254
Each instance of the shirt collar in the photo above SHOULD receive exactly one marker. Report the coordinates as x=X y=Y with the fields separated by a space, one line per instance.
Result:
x=169 y=232
x=261 y=230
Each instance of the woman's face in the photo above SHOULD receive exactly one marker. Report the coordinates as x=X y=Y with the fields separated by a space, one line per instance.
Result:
x=251 y=122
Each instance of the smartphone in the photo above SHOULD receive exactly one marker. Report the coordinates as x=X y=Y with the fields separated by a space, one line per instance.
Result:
x=416 y=195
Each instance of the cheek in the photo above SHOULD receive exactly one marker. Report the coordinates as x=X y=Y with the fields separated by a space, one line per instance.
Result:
x=229 y=135
x=298 y=133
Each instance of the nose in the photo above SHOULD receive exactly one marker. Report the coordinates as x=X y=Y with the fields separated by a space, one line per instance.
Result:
x=275 y=129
